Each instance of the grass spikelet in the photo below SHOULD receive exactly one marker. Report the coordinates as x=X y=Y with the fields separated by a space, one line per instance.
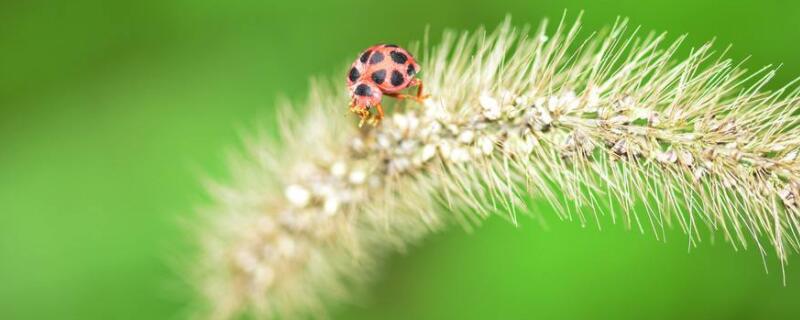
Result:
x=606 y=128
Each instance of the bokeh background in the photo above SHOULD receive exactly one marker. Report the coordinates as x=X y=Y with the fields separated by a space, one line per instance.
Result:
x=112 y=111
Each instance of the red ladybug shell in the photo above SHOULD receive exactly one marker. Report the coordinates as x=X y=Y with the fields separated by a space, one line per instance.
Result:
x=388 y=66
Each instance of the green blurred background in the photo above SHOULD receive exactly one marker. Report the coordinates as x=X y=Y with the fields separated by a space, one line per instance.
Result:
x=110 y=112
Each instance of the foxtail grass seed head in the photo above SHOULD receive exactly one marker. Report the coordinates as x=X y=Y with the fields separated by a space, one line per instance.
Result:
x=595 y=126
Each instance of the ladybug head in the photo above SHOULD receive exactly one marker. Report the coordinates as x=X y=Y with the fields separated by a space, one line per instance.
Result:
x=365 y=94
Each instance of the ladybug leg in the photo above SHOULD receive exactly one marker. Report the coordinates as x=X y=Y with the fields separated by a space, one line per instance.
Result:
x=360 y=111
x=419 y=97
x=364 y=114
x=399 y=96
x=378 y=117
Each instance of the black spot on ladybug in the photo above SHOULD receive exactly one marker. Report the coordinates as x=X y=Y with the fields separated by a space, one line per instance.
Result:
x=397 y=78
x=379 y=76
x=354 y=74
x=365 y=56
x=411 y=71
x=398 y=57
x=363 y=90
x=376 y=57
x=390 y=45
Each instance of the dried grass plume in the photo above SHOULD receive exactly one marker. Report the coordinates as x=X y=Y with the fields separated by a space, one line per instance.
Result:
x=609 y=127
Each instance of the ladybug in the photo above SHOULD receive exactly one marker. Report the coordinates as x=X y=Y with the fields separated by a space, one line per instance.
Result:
x=383 y=69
